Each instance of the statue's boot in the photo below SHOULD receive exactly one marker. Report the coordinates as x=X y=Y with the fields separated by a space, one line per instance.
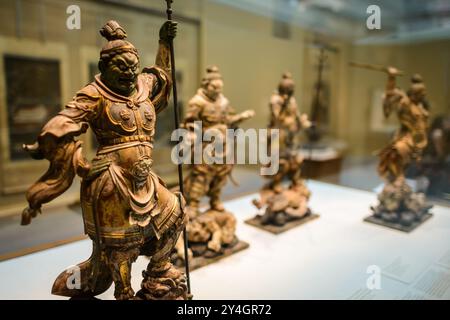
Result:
x=78 y=281
x=161 y=280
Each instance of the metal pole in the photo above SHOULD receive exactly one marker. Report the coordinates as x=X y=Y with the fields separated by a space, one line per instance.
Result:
x=177 y=126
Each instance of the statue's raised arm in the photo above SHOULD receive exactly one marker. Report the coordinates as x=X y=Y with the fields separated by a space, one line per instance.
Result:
x=127 y=209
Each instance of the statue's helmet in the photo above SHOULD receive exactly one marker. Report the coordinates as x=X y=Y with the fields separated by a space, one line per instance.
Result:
x=417 y=84
x=116 y=35
x=286 y=85
x=417 y=88
x=212 y=73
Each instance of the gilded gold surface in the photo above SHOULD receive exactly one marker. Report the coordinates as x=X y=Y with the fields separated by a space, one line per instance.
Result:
x=127 y=210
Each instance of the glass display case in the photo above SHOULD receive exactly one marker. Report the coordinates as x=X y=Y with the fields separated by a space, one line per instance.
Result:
x=347 y=58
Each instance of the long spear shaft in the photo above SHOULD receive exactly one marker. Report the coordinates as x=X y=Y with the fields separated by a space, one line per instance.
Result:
x=372 y=67
x=177 y=126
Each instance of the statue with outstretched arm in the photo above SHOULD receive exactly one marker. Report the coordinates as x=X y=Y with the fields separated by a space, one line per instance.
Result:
x=127 y=209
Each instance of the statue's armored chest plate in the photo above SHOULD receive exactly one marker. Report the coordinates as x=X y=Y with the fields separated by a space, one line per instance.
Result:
x=413 y=115
x=290 y=110
x=288 y=118
x=129 y=118
x=214 y=113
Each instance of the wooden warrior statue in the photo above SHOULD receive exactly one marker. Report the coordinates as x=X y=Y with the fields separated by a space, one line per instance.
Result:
x=398 y=203
x=284 y=204
x=127 y=209
x=213 y=229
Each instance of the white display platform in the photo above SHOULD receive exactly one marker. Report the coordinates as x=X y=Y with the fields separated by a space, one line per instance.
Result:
x=326 y=258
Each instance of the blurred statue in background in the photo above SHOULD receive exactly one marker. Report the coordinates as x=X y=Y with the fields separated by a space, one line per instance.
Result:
x=127 y=210
x=211 y=231
x=397 y=202
x=282 y=204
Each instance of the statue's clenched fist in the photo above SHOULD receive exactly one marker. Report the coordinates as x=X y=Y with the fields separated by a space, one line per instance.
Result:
x=168 y=30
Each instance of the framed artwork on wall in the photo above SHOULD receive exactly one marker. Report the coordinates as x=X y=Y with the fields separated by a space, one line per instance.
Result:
x=33 y=96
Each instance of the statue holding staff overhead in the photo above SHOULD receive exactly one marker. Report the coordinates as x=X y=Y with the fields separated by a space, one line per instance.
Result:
x=398 y=203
